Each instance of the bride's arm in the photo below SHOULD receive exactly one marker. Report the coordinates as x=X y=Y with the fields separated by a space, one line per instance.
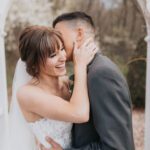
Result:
x=76 y=110
x=49 y=106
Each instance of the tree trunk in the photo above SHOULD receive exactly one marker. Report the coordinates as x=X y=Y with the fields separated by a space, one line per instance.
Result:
x=125 y=7
x=133 y=23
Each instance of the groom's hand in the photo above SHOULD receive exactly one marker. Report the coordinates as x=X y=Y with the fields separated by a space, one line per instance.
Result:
x=54 y=145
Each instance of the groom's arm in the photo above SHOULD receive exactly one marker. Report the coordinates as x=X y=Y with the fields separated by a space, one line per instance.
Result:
x=111 y=110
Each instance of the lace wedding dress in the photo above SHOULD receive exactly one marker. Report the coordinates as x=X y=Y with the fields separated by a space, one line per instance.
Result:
x=59 y=131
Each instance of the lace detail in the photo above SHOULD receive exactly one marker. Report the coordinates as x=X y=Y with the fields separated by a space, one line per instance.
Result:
x=59 y=131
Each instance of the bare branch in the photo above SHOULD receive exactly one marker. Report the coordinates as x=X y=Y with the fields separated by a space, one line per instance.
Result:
x=136 y=59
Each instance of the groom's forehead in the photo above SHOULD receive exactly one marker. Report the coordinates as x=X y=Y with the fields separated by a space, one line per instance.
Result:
x=62 y=24
x=63 y=27
x=70 y=23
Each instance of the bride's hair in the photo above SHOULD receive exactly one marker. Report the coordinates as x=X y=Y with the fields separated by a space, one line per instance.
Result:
x=36 y=44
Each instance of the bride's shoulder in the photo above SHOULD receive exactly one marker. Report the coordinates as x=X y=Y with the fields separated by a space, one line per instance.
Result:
x=27 y=92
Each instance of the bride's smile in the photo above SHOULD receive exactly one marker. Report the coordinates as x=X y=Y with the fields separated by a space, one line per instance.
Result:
x=56 y=65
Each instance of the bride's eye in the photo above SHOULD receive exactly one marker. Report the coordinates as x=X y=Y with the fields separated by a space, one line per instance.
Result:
x=62 y=49
x=52 y=55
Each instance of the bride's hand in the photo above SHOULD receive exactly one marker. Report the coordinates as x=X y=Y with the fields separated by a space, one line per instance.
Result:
x=84 y=54
x=54 y=145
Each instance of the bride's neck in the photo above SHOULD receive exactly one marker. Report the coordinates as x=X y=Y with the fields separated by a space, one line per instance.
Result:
x=49 y=82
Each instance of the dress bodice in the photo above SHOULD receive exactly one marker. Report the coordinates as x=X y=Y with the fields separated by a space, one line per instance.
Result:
x=59 y=131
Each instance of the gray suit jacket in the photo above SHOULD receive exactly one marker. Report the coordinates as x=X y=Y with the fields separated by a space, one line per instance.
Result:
x=110 y=124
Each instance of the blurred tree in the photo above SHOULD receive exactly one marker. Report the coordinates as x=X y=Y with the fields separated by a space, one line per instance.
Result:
x=137 y=74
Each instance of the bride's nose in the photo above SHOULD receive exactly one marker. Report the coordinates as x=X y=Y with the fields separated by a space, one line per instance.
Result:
x=62 y=55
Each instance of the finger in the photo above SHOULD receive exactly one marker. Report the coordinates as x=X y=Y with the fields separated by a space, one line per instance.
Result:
x=75 y=45
x=48 y=139
x=95 y=50
x=75 y=49
x=91 y=49
x=42 y=147
x=52 y=142
x=91 y=46
x=54 y=145
x=87 y=42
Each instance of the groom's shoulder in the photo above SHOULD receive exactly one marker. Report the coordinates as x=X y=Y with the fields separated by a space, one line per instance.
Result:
x=102 y=63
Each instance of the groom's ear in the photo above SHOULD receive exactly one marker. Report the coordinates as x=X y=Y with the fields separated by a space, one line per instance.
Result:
x=80 y=35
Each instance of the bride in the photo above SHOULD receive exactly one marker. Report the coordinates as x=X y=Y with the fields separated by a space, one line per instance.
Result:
x=41 y=102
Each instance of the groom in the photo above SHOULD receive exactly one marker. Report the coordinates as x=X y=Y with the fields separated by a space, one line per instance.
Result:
x=110 y=124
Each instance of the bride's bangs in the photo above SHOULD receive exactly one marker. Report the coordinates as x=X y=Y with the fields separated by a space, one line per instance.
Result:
x=50 y=44
x=36 y=44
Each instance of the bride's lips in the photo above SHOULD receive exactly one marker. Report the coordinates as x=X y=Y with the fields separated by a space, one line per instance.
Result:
x=61 y=66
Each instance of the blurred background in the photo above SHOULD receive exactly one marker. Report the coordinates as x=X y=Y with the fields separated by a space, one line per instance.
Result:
x=120 y=32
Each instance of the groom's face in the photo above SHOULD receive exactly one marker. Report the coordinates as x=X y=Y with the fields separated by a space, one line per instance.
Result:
x=69 y=37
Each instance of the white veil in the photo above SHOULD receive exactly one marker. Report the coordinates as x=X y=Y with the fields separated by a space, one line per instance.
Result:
x=21 y=137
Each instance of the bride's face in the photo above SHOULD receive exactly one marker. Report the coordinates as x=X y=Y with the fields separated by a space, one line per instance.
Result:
x=56 y=63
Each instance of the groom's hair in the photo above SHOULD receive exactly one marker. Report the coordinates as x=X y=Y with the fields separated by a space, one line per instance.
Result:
x=75 y=17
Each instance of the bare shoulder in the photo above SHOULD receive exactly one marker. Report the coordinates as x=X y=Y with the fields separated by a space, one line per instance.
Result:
x=26 y=94
x=24 y=91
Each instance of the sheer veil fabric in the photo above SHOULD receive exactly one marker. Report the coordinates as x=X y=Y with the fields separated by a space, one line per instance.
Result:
x=20 y=135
